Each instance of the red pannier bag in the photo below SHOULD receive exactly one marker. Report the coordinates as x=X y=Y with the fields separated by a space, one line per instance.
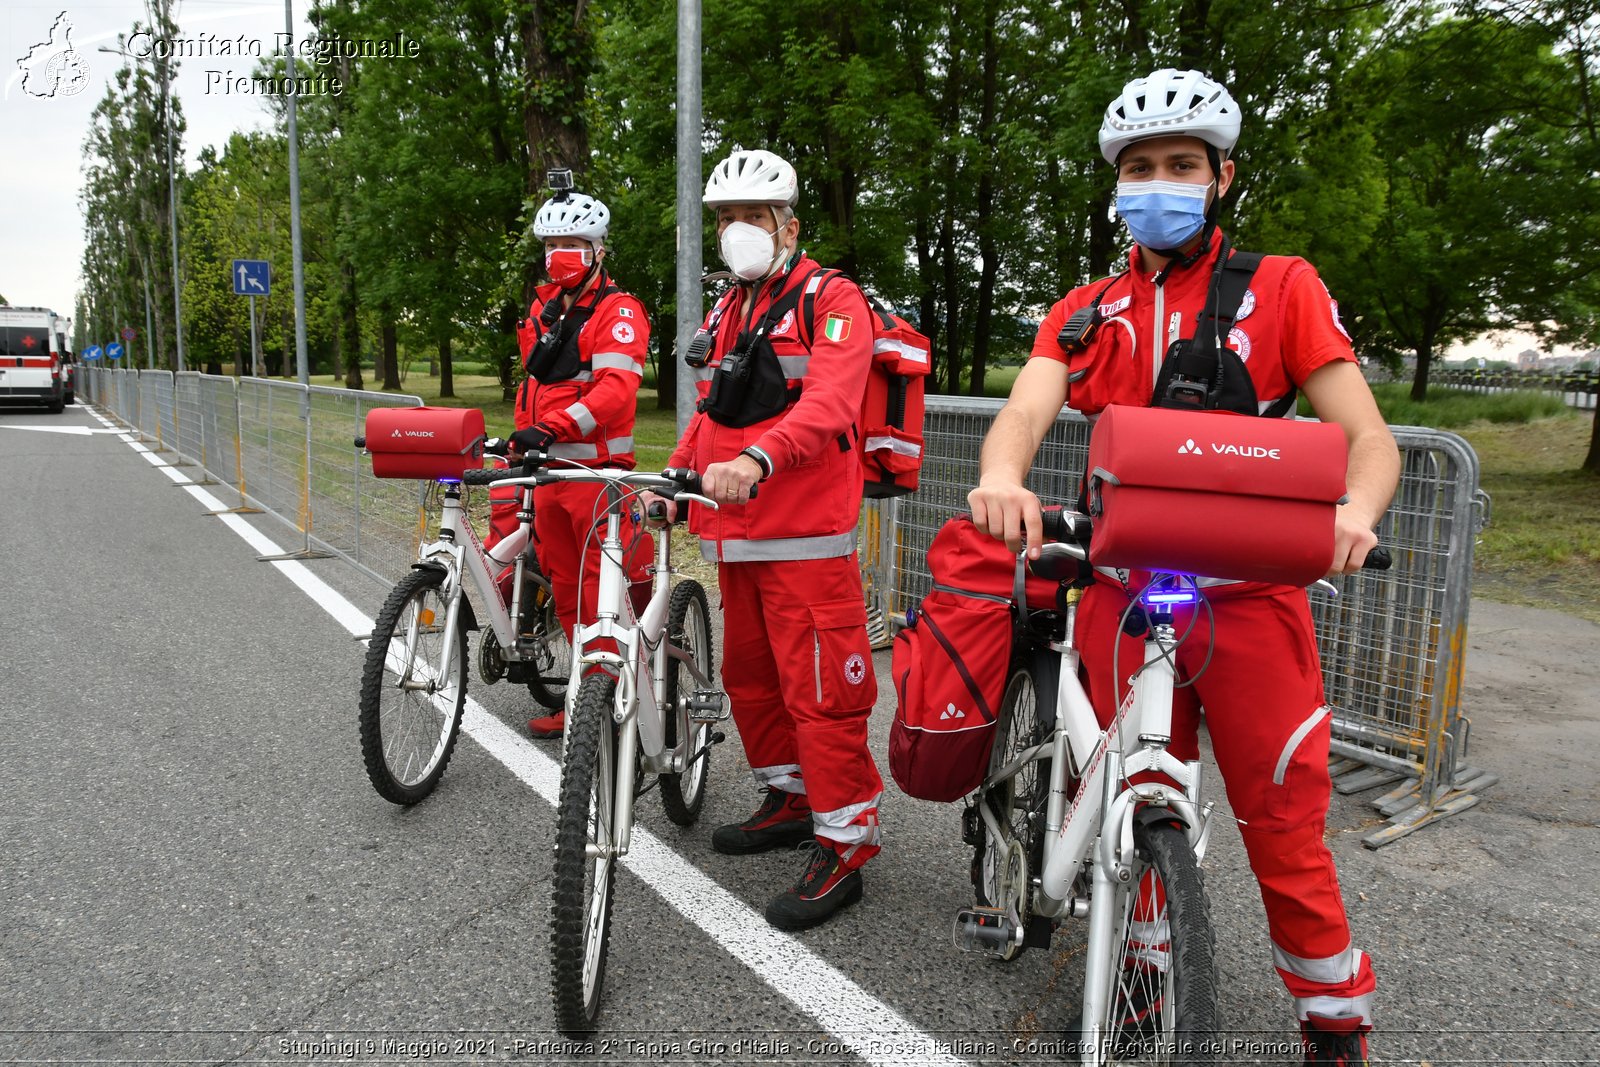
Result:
x=1214 y=493
x=951 y=662
x=425 y=442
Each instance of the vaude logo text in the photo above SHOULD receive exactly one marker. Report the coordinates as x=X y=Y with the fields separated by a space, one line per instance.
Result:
x=412 y=433
x=53 y=67
x=1189 y=448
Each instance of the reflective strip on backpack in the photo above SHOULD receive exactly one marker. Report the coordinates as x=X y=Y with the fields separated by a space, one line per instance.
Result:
x=893 y=444
x=905 y=351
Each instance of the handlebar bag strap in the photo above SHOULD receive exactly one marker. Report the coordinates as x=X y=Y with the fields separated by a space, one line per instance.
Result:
x=425 y=442
x=1214 y=494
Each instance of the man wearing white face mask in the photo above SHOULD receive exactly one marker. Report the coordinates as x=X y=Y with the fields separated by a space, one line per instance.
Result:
x=584 y=346
x=1190 y=324
x=782 y=362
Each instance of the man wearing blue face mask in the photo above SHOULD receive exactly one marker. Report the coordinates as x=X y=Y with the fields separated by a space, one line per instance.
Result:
x=1192 y=324
x=782 y=362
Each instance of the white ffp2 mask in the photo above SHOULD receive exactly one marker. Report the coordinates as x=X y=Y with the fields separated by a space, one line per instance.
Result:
x=748 y=250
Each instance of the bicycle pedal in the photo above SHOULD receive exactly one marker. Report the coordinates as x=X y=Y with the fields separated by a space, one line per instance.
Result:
x=988 y=931
x=707 y=706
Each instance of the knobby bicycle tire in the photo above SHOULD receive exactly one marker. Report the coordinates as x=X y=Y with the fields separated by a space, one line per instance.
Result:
x=408 y=736
x=1183 y=1024
x=580 y=906
x=682 y=795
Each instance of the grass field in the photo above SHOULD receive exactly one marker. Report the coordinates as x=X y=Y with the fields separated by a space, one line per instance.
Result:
x=1542 y=546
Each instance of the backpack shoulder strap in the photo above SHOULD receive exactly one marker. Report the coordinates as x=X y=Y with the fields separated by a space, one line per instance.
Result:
x=808 y=301
x=1237 y=273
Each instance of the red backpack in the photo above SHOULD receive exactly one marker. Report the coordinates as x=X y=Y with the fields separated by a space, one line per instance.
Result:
x=892 y=407
x=952 y=660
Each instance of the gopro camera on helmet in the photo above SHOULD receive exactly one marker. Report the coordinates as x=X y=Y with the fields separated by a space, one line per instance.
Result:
x=560 y=180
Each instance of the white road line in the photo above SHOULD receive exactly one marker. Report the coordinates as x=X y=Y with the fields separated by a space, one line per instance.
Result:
x=858 y=1020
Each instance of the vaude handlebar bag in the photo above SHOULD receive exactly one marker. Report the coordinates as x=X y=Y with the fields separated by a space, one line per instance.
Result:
x=425 y=442
x=1214 y=493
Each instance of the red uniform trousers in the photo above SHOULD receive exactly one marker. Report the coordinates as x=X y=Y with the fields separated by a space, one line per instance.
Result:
x=569 y=524
x=1263 y=700
x=797 y=667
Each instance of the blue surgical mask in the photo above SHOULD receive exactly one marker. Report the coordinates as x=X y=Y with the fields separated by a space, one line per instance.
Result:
x=1162 y=215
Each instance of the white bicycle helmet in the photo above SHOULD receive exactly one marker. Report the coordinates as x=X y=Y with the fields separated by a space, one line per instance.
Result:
x=753 y=176
x=1184 y=102
x=573 y=215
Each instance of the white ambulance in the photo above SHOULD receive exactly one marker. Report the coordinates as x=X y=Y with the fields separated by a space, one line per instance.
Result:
x=30 y=359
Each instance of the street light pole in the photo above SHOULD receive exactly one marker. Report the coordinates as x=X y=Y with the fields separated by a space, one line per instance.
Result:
x=172 y=204
x=689 y=209
x=302 y=368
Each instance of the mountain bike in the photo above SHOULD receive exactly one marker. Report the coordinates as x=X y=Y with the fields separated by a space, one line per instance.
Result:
x=640 y=701
x=414 y=681
x=1060 y=829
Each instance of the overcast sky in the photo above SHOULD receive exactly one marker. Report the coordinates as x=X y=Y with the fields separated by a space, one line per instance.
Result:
x=41 y=225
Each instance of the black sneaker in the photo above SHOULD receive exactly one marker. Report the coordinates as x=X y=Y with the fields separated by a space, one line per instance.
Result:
x=1334 y=1042
x=782 y=821
x=825 y=888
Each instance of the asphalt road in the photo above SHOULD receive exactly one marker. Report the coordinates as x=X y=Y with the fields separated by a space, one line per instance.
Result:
x=193 y=867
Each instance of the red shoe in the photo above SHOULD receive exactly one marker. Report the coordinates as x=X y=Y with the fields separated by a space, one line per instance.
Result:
x=549 y=726
x=825 y=889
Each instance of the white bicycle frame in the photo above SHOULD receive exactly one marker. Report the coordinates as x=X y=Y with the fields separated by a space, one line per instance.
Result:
x=459 y=552
x=640 y=660
x=1095 y=824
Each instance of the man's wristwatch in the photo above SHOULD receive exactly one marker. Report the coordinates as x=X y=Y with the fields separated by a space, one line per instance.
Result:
x=763 y=460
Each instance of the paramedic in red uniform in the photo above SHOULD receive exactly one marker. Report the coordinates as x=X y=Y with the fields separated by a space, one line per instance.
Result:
x=584 y=347
x=797 y=665
x=1169 y=136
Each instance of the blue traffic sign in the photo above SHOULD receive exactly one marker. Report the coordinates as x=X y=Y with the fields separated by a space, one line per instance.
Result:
x=251 y=277
x=114 y=350
x=92 y=352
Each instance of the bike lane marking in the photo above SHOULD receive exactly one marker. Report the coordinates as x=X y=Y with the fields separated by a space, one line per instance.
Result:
x=859 y=1022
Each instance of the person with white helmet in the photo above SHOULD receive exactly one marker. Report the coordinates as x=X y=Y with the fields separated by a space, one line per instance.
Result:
x=782 y=363
x=584 y=346
x=1190 y=323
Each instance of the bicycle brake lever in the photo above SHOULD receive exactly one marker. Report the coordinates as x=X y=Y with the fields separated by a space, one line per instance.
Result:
x=697 y=498
x=1326 y=586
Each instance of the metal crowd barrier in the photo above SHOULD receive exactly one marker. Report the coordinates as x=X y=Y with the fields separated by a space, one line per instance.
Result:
x=1393 y=645
x=287 y=449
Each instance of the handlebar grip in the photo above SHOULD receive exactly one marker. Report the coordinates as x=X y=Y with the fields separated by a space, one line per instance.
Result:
x=1378 y=559
x=361 y=442
x=486 y=475
x=656 y=511
x=1069 y=527
x=688 y=479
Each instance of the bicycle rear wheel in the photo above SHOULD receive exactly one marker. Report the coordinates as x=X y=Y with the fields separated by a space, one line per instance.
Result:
x=552 y=661
x=1026 y=710
x=580 y=907
x=1163 y=1003
x=689 y=629
x=413 y=688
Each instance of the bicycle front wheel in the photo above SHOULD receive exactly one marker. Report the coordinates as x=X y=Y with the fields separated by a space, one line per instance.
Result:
x=688 y=629
x=1163 y=1003
x=413 y=688
x=552 y=659
x=585 y=866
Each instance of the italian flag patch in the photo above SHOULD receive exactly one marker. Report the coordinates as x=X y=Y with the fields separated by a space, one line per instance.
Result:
x=836 y=327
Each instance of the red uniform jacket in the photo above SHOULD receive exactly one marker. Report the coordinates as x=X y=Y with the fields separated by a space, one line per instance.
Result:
x=809 y=507
x=592 y=413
